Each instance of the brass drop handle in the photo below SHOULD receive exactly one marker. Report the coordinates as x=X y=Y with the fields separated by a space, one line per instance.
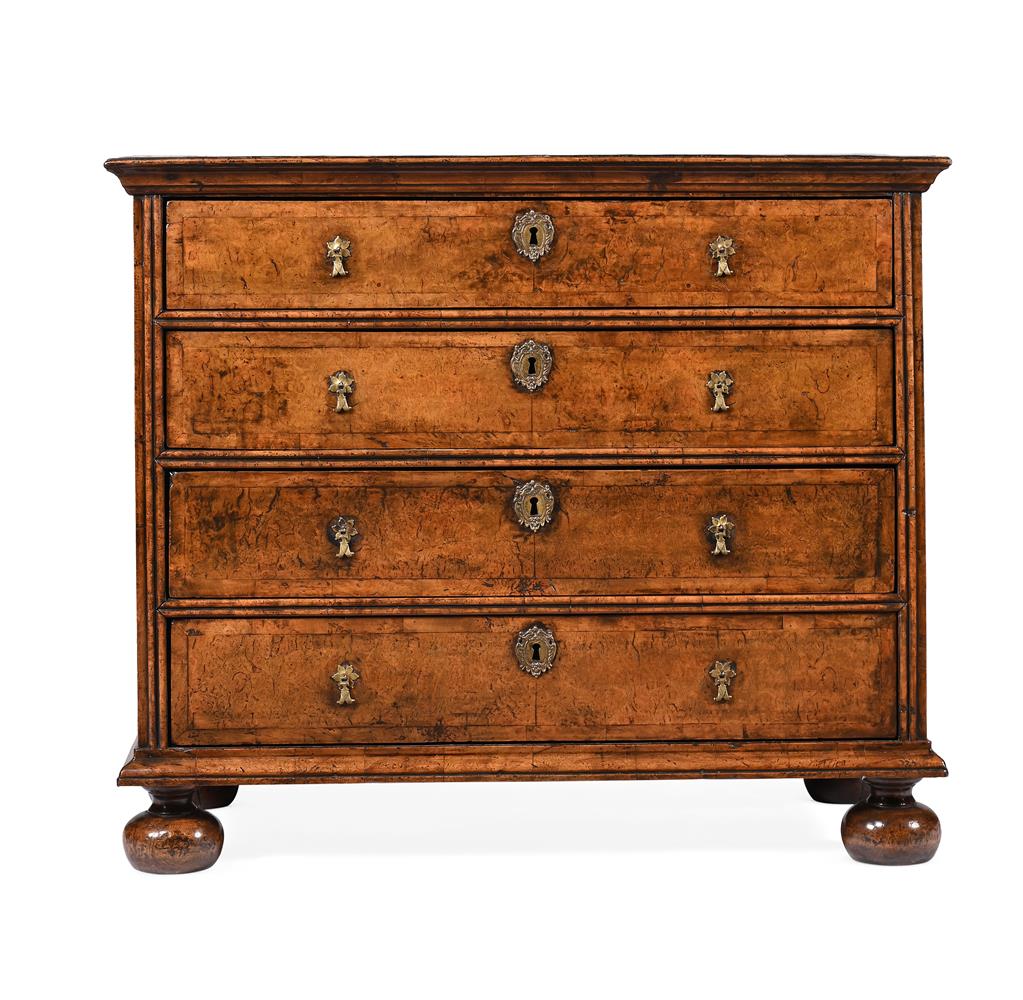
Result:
x=338 y=251
x=722 y=673
x=342 y=385
x=720 y=250
x=534 y=504
x=535 y=649
x=533 y=234
x=721 y=528
x=341 y=531
x=531 y=364
x=345 y=677
x=720 y=385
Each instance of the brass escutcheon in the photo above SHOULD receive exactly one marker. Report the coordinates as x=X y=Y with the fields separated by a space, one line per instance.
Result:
x=533 y=234
x=531 y=365
x=535 y=649
x=534 y=504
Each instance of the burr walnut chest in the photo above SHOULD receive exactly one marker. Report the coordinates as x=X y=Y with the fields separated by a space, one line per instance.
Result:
x=538 y=468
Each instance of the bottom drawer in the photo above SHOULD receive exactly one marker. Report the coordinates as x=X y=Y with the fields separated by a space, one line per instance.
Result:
x=606 y=677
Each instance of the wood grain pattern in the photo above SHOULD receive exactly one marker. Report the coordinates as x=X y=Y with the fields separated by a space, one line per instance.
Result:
x=440 y=533
x=423 y=254
x=456 y=679
x=240 y=463
x=266 y=390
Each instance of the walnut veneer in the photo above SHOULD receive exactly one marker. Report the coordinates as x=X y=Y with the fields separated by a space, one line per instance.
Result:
x=637 y=492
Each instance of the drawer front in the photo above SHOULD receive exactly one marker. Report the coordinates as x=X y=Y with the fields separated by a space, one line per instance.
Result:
x=226 y=255
x=269 y=390
x=436 y=679
x=457 y=533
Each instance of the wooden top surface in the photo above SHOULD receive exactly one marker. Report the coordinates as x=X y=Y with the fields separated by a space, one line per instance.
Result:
x=526 y=176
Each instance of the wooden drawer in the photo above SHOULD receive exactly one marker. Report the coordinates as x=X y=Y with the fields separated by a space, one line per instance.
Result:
x=436 y=679
x=457 y=533
x=226 y=255
x=268 y=390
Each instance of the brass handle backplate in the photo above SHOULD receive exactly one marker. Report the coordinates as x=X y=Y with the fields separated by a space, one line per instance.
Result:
x=338 y=251
x=341 y=531
x=721 y=528
x=722 y=673
x=345 y=678
x=531 y=365
x=720 y=385
x=342 y=385
x=533 y=234
x=535 y=649
x=720 y=250
x=534 y=504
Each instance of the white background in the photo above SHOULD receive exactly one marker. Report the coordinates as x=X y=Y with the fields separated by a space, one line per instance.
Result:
x=649 y=889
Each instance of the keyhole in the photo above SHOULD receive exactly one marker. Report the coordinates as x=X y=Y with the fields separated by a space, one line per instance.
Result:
x=532 y=236
x=533 y=511
x=532 y=365
x=536 y=652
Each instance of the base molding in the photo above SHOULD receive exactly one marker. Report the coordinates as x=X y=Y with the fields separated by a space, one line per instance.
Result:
x=524 y=762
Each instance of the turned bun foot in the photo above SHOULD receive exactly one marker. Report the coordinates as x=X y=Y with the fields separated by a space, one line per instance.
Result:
x=890 y=827
x=842 y=791
x=214 y=796
x=173 y=837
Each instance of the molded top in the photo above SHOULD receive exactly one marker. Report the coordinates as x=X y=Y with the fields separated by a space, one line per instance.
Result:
x=526 y=176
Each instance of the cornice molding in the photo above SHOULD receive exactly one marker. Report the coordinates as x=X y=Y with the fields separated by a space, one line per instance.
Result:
x=526 y=177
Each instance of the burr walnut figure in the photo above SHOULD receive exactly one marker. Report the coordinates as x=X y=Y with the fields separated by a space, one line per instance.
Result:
x=532 y=597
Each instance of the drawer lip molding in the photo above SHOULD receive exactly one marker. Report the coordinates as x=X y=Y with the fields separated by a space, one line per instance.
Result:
x=452 y=533
x=830 y=253
x=525 y=177
x=267 y=390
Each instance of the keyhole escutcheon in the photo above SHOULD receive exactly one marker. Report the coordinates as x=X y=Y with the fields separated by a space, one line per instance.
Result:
x=531 y=365
x=533 y=234
x=535 y=649
x=534 y=504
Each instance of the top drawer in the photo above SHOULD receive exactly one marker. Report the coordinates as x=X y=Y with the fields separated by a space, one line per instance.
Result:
x=241 y=255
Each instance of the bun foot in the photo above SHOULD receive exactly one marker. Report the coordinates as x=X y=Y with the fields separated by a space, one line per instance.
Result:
x=173 y=837
x=890 y=827
x=843 y=791
x=214 y=796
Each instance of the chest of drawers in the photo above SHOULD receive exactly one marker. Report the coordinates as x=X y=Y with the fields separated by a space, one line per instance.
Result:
x=540 y=468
